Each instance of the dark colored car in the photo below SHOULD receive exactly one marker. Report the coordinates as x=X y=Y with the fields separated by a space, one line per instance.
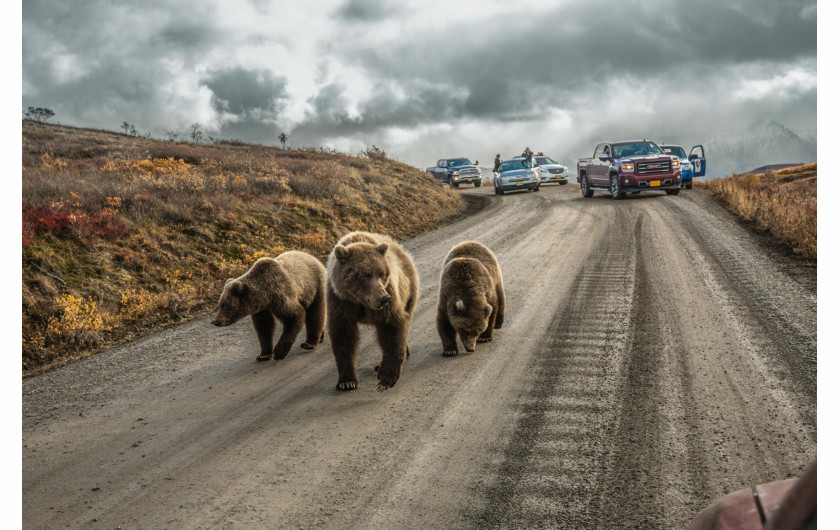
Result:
x=629 y=167
x=456 y=171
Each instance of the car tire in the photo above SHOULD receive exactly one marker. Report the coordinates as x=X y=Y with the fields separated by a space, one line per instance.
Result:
x=672 y=192
x=563 y=183
x=615 y=188
x=585 y=189
x=537 y=187
x=456 y=185
x=477 y=184
x=449 y=181
x=689 y=186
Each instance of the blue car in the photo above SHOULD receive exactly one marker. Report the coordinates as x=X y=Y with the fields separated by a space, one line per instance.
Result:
x=693 y=165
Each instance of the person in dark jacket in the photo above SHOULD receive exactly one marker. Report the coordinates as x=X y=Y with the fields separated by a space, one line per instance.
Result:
x=496 y=163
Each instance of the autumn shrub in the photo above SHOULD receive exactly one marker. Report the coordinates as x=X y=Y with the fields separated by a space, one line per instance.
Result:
x=783 y=203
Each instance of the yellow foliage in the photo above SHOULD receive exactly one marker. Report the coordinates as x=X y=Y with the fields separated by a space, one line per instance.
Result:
x=77 y=314
x=48 y=161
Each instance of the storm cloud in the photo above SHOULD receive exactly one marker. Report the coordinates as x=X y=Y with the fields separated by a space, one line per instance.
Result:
x=427 y=79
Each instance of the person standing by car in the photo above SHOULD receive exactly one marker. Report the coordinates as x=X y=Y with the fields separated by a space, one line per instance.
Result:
x=496 y=163
x=527 y=154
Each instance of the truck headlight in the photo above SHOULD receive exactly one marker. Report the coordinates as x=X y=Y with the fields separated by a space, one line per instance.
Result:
x=628 y=167
x=456 y=173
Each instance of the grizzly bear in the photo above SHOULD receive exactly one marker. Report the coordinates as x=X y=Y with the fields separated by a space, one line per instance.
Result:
x=291 y=288
x=371 y=280
x=471 y=300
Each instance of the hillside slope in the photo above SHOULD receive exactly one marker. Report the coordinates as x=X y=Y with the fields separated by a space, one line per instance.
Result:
x=123 y=234
x=782 y=203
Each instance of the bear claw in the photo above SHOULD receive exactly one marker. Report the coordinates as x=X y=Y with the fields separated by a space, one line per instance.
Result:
x=347 y=385
x=307 y=346
x=484 y=339
x=263 y=357
x=450 y=353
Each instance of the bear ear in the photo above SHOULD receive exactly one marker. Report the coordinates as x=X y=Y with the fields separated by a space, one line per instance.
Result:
x=238 y=288
x=459 y=306
x=228 y=281
x=487 y=310
x=383 y=248
x=341 y=253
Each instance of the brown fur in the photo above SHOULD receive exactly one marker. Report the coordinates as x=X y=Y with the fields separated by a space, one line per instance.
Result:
x=471 y=300
x=291 y=288
x=361 y=270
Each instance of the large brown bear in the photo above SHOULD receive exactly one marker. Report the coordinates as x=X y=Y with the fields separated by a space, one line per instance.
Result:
x=290 y=287
x=371 y=280
x=471 y=300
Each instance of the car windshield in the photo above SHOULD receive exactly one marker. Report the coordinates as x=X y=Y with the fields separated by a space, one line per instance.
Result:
x=636 y=149
x=510 y=165
x=674 y=150
x=457 y=162
x=543 y=160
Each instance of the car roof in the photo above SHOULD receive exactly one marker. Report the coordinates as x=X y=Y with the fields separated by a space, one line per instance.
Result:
x=671 y=145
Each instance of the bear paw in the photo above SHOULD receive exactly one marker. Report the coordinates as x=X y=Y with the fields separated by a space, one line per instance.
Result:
x=347 y=385
x=484 y=339
x=307 y=346
x=450 y=353
x=263 y=357
x=386 y=380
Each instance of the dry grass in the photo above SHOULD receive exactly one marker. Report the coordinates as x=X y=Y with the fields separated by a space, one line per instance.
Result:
x=782 y=202
x=124 y=234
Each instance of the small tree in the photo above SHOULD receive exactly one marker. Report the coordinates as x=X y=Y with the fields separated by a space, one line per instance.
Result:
x=125 y=125
x=39 y=114
x=172 y=135
x=283 y=139
x=195 y=132
x=132 y=131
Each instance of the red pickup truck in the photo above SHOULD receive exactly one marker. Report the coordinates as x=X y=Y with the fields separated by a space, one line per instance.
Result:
x=633 y=167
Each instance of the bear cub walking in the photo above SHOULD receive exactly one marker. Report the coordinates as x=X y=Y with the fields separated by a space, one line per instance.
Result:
x=371 y=280
x=290 y=287
x=471 y=301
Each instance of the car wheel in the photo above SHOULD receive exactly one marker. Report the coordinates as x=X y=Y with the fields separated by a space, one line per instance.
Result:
x=585 y=190
x=477 y=184
x=688 y=186
x=615 y=188
x=672 y=192
x=537 y=187
x=563 y=183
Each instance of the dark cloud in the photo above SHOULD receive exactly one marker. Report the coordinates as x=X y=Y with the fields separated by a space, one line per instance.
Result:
x=246 y=92
x=366 y=10
x=356 y=73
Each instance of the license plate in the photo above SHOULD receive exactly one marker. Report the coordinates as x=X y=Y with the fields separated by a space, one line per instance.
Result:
x=518 y=183
x=655 y=183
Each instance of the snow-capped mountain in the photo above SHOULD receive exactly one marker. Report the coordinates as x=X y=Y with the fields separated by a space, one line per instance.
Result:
x=763 y=143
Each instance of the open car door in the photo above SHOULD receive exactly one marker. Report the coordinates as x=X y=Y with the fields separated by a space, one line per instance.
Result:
x=697 y=157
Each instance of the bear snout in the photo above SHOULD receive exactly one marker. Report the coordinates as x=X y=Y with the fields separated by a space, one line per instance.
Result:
x=385 y=299
x=218 y=322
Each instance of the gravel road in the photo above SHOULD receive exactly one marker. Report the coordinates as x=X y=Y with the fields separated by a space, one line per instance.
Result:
x=655 y=355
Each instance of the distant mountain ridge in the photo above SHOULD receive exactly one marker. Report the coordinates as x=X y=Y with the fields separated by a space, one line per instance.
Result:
x=763 y=143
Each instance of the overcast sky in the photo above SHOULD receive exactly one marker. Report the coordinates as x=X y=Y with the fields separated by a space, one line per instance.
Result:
x=426 y=79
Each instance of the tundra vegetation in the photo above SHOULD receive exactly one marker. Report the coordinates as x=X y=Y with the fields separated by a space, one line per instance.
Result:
x=123 y=234
x=783 y=203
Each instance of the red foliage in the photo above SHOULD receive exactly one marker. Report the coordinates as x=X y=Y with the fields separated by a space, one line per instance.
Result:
x=68 y=222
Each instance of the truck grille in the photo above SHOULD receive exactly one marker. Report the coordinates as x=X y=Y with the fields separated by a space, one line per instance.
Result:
x=646 y=168
x=469 y=172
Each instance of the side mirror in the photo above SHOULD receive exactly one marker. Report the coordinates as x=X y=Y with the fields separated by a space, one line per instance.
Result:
x=476 y=163
x=603 y=157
